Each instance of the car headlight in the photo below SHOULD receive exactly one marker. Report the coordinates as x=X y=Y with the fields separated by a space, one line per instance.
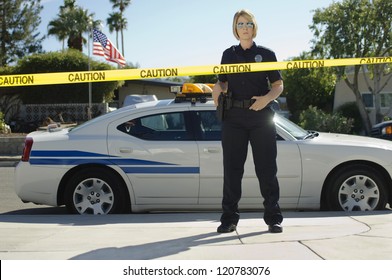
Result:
x=387 y=130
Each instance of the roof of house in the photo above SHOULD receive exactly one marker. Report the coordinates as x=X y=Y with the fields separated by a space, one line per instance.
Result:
x=157 y=82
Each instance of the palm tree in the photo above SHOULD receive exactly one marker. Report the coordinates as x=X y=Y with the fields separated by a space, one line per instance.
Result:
x=79 y=21
x=68 y=5
x=122 y=5
x=71 y=23
x=114 y=23
x=58 y=29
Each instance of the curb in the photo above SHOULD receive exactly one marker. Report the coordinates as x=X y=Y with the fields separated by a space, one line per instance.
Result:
x=9 y=161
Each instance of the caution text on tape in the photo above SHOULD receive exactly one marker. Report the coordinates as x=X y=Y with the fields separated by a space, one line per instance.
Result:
x=153 y=73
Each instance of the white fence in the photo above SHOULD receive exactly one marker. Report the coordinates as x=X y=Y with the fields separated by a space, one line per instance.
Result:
x=70 y=113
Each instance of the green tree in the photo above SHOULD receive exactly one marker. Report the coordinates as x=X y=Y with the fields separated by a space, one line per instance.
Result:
x=72 y=22
x=66 y=61
x=207 y=79
x=305 y=87
x=121 y=5
x=355 y=28
x=19 y=20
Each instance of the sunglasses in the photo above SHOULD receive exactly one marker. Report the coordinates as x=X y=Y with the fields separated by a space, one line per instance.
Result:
x=241 y=25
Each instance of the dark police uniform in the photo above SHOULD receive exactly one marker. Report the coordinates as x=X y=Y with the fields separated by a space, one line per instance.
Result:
x=242 y=126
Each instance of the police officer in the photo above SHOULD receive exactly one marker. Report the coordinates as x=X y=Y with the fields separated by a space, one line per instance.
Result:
x=249 y=120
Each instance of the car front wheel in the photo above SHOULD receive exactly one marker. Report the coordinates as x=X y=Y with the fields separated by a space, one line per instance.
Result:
x=95 y=191
x=357 y=188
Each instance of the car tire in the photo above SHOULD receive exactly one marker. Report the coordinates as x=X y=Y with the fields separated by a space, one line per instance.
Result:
x=96 y=191
x=357 y=188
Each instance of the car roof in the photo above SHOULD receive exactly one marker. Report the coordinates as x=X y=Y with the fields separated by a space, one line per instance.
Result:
x=172 y=104
x=141 y=107
x=382 y=124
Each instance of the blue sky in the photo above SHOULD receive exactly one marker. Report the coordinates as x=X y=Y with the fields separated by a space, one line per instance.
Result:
x=169 y=33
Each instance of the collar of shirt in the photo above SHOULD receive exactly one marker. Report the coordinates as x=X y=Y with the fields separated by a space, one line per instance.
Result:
x=248 y=55
x=253 y=48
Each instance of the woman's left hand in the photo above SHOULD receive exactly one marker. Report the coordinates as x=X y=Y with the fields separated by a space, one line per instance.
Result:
x=260 y=103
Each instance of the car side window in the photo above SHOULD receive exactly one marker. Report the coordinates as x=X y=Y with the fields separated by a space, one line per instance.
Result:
x=210 y=125
x=160 y=127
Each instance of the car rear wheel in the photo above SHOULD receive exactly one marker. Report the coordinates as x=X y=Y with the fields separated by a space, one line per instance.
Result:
x=357 y=188
x=96 y=191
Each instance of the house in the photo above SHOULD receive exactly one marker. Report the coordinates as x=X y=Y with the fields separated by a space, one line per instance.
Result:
x=158 y=87
x=344 y=94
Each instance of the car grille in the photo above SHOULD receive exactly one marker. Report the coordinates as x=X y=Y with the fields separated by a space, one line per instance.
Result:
x=375 y=132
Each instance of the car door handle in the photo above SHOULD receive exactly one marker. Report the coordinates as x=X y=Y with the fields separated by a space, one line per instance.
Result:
x=125 y=150
x=212 y=150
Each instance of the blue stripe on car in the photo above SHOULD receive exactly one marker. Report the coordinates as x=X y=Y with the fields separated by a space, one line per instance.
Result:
x=66 y=153
x=68 y=161
x=165 y=170
x=71 y=157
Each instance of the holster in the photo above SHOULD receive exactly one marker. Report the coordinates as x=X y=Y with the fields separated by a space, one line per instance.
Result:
x=220 y=109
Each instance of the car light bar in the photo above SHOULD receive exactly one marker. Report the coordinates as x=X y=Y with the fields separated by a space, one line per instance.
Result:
x=192 y=92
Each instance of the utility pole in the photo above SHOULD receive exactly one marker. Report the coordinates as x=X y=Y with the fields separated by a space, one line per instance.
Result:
x=90 y=34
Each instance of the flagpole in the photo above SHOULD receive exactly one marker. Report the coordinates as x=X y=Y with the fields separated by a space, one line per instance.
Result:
x=90 y=34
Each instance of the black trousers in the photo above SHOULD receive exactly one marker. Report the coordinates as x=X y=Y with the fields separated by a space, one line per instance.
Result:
x=241 y=127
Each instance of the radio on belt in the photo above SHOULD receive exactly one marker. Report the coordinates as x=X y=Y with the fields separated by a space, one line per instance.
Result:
x=192 y=92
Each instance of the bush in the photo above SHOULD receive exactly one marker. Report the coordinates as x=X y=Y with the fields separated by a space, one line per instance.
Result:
x=67 y=61
x=316 y=119
x=350 y=110
x=3 y=127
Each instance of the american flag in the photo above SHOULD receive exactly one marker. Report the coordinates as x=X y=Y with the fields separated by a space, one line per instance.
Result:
x=103 y=47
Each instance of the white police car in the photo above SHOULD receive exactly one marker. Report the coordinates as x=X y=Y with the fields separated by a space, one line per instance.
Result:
x=167 y=155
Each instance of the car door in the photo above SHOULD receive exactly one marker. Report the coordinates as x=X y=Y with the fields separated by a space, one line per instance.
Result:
x=158 y=154
x=211 y=168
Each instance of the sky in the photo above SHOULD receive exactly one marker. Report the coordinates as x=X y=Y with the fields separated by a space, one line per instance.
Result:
x=171 y=33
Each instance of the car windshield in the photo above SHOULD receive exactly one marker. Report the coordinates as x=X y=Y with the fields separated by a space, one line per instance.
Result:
x=290 y=127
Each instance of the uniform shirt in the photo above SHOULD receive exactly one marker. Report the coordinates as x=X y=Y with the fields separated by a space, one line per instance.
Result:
x=246 y=85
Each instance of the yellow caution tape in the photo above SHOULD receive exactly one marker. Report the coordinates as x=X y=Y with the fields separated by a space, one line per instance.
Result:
x=153 y=73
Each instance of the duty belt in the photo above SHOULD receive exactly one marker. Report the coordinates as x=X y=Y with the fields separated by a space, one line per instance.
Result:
x=242 y=103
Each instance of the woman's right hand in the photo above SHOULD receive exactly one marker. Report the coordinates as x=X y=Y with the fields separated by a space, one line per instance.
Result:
x=217 y=89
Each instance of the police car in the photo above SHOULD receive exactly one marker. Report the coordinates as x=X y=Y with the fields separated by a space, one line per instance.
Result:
x=382 y=130
x=167 y=155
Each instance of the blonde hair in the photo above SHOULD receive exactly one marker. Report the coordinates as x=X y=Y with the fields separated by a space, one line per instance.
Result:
x=249 y=16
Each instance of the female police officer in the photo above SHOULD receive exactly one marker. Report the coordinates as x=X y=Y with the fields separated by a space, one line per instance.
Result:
x=249 y=119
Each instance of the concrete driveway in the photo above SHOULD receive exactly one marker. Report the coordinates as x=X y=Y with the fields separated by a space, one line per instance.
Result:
x=192 y=236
